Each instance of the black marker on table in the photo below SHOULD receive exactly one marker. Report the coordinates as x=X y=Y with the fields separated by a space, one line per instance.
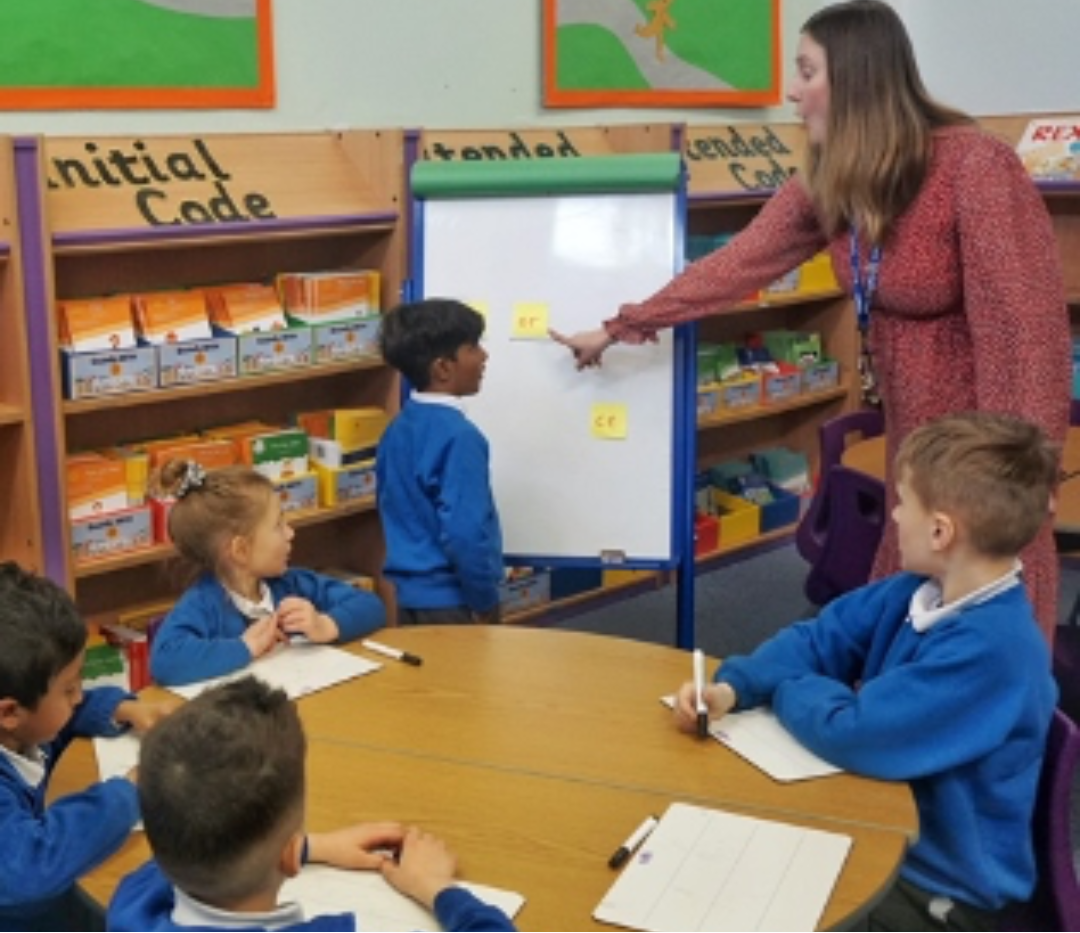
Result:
x=396 y=653
x=628 y=848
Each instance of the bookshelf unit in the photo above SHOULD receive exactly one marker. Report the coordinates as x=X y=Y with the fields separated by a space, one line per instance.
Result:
x=733 y=170
x=20 y=519
x=149 y=213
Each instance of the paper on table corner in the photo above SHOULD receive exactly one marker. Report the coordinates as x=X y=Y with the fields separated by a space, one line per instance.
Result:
x=759 y=737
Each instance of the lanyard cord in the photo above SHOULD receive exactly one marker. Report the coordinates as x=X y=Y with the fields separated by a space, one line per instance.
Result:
x=863 y=293
x=863 y=289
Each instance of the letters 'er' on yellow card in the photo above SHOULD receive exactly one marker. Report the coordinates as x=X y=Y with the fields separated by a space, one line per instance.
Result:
x=530 y=321
x=609 y=421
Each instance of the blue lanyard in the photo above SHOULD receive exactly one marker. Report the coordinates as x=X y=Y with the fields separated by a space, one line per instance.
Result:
x=863 y=289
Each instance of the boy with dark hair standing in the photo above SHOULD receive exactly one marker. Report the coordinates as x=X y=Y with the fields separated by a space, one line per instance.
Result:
x=443 y=538
x=43 y=707
x=937 y=675
x=222 y=789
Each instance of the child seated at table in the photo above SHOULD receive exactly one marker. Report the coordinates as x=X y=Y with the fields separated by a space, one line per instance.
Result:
x=43 y=706
x=229 y=526
x=222 y=793
x=938 y=675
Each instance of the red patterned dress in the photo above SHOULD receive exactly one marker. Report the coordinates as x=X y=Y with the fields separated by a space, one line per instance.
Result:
x=969 y=312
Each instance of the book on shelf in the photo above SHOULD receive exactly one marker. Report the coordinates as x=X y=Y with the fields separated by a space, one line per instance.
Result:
x=1050 y=148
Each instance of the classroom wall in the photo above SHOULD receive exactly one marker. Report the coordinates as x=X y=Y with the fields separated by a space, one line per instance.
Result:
x=399 y=63
x=476 y=63
x=997 y=56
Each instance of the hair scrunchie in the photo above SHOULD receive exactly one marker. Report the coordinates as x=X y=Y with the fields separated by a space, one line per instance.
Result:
x=194 y=478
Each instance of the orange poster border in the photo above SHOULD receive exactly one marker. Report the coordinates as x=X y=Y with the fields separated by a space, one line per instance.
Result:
x=556 y=97
x=264 y=95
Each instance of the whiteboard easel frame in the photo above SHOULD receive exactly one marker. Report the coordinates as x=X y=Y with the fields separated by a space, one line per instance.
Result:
x=682 y=440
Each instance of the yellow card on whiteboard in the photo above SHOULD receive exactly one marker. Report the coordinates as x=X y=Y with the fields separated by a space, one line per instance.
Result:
x=480 y=307
x=609 y=421
x=530 y=321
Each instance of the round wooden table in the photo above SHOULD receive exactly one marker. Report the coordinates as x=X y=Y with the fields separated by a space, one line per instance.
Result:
x=534 y=753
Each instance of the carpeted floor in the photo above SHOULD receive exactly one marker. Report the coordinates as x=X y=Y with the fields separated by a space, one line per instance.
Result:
x=737 y=606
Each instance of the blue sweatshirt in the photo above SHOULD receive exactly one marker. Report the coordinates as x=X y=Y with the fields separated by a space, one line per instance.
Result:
x=46 y=849
x=202 y=637
x=144 y=900
x=960 y=710
x=433 y=484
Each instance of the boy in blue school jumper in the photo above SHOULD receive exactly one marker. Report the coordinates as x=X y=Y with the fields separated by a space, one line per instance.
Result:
x=433 y=484
x=222 y=790
x=229 y=526
x=44 y=849
x=938 y=675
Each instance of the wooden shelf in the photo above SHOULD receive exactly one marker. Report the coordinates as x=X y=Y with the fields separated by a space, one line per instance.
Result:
x=587 y=599
x=723 y=554
x=157 y=553
x=785 y=300
x=12 y=414
x=725 y=200
x=220 y=387
x=1056 y=189
x=754 y=412
x=224 y=234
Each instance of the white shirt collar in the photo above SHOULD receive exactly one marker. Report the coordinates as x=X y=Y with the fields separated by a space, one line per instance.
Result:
x=31 y=768
x=189 y=912
x=254 y=610
x=438 y=398
x=926 y=610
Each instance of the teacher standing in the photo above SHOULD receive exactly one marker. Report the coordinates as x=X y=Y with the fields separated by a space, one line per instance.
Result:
x=934 y=229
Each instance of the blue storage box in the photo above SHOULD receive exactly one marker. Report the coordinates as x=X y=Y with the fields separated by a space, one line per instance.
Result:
x=783 y=510
x=569 y=581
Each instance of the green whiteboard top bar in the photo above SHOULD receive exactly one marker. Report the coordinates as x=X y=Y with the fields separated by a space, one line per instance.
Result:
x=615 y=174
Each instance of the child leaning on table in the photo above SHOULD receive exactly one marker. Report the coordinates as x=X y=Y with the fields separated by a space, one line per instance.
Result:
x=222 y=792
x=433 y=483
x=44 y=849
x=229 y=525
x=937 y=675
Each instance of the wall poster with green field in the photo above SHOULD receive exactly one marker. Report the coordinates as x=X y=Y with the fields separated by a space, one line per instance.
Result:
x=661 y=53
x=144 y=54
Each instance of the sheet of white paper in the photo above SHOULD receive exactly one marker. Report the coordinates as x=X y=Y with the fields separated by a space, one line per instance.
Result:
x=321 y=889
x=298 y=669
x=705 y=869
x=758 y=736
x=116 y=757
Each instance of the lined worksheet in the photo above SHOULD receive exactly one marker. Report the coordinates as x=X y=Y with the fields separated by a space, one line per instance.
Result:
x=704 y=869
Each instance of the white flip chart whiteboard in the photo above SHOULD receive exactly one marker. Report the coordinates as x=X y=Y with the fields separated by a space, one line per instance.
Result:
x=585 y=465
